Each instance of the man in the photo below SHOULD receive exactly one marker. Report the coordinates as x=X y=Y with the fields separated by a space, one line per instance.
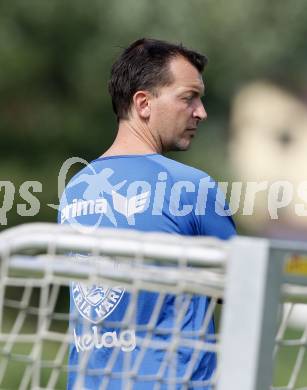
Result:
x=156 y=89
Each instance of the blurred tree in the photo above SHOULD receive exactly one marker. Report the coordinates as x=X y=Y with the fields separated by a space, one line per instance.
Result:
x=55 y=58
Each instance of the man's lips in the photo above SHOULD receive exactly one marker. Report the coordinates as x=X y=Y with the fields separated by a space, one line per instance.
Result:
x=191 y=131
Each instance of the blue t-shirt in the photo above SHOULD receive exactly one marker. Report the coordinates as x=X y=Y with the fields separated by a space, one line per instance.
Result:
x=148 y=193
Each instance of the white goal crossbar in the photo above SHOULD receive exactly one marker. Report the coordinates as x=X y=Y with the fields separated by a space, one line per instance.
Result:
x=252 y=277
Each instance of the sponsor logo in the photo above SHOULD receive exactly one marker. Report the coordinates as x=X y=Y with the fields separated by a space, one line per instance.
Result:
x=130 y=206
x=80 y=207
x=125 y=340
x=95 y=303
x=103 y=199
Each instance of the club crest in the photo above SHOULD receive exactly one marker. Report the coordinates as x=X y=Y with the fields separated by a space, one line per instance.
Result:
x=95 y=303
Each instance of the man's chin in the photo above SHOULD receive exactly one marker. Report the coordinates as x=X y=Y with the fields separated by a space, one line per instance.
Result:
x=181 y=146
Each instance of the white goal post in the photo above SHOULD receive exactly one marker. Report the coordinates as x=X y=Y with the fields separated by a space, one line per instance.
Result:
x=252 y=277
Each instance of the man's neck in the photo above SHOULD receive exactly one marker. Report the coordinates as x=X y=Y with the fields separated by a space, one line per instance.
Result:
x=131 y=139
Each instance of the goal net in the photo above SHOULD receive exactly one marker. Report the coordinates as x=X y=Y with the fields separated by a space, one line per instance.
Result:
x=246 y=282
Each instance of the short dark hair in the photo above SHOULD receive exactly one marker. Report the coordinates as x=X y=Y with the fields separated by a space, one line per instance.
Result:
x=144 y=66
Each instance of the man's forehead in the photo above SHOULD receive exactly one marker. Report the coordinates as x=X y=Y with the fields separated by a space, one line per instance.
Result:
x=199 y=85
x=186 y=75
x=191 y=85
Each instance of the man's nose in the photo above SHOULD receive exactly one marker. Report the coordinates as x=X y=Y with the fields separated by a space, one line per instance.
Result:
x=200 y=112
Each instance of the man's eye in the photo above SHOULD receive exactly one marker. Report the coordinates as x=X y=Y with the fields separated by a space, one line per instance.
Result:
x=189 y=98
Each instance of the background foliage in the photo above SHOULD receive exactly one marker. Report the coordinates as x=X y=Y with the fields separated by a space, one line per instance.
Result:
x=55 y=58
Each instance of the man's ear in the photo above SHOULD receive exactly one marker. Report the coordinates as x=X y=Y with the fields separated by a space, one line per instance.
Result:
x=141 y=101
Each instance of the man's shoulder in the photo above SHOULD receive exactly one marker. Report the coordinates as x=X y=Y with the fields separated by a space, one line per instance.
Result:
x=80 y=179
x=183 y=171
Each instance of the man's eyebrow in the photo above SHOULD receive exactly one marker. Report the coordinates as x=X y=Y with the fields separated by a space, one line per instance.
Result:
x=195 y=91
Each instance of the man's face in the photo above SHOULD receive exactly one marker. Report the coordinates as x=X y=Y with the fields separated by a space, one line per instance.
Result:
x=178 y=109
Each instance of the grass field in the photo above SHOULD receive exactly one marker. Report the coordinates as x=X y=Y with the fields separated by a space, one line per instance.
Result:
x=285 y=362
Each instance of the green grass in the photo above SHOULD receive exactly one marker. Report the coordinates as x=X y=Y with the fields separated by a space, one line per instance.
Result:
x=285 y=361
